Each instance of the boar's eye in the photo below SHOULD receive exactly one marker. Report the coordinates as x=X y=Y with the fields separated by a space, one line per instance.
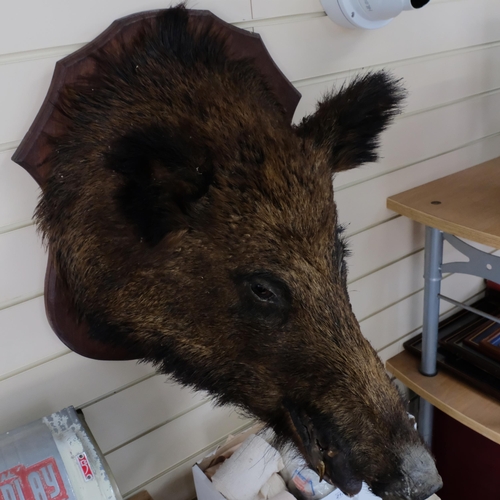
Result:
x=263 y=298
x=262 y=292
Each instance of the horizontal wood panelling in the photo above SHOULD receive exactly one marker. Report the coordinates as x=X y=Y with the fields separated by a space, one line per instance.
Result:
x=430 y=81
x=331 y=48
x=20 y=110
x=262 y=9
x=22 y=265
x=388 y=285
x=396 y=347
x=385 y=244
x=44 y=53
x=405 y=316
x=32 y=25
x=385 y=287
x=68 y=380
x=371 y=251
x=170 y=444
x=449 y=76
x=155 y=401
x=176 y=484
x=363 y=205
x=26 y=337
x=23 y=86
x=458 y=123
x=414 y=138
x=276 y=8
x=393 y=349
x=18 y=192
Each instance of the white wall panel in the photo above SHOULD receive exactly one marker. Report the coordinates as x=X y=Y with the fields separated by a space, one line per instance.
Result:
x=385 y=287
x=364 y=205
x=34 y=25
x=405 y=316
x=450 y=76
x=155 y=401
x=393 y=349
x=385 y=244
x=262 y=9
x=438 y=130
x=397 y=346
x=414 y=138
x=390 y=284
x=430 y=81
x=276 y=8
x=68 y=380
x=171 y=443
x=18 y=192
x=23 y=86
x=318 y=47
x=177 y=483
x=22 y=265
x=26 y=337
x=381 y=245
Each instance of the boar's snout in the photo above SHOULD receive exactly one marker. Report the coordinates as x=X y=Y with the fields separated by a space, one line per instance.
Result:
x=414 y=476
x=418 y=481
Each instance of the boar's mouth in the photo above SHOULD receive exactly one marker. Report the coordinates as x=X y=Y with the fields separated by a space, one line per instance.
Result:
x=327 y=460
x=324 y=452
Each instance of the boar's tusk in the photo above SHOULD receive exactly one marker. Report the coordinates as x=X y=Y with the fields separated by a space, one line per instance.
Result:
x=321 y=470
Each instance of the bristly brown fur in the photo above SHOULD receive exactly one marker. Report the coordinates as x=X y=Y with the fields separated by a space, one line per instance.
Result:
x=348 y=123
x=193 y=224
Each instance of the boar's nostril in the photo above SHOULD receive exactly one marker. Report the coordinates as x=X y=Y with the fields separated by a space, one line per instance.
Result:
x=425 y=486
x=419 y=477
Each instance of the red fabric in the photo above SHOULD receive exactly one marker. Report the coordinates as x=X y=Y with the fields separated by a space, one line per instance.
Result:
x=468 y=462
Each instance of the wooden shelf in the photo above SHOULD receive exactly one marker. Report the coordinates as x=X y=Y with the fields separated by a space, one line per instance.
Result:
x=466 y=204
x=454 y=397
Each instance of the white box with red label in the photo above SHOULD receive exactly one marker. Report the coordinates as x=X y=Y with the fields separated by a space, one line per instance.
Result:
x=54 y=458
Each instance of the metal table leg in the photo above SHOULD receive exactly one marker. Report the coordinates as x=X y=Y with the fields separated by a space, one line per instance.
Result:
x=432 y=288
x=425 y=420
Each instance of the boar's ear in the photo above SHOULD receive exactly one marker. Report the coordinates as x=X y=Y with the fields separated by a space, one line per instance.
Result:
x=163 y=174
x=348 y=123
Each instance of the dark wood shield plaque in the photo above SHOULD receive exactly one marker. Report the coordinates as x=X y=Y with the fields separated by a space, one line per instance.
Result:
x=35 y=149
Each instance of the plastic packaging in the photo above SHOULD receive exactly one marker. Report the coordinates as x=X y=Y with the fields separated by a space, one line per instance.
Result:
x=303 y=482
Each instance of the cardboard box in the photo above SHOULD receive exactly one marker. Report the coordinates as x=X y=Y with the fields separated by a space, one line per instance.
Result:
x=205 y=490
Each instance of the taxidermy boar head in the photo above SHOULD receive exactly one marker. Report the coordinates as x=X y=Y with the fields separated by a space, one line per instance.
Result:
x=194 y=225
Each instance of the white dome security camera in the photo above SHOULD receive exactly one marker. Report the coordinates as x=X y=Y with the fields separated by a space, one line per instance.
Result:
x=368 y=14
